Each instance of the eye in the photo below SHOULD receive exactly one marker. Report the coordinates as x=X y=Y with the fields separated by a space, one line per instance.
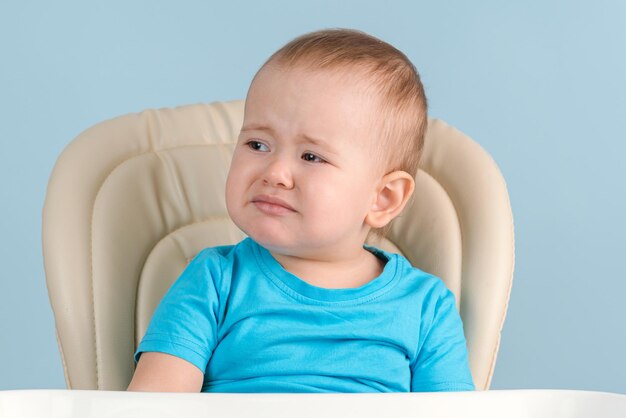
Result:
x=307 y=156
x=257 y=146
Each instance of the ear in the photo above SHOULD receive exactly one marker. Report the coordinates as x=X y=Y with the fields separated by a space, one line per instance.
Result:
x=393 y=193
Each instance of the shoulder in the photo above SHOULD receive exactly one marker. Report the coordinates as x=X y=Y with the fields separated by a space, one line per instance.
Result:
x=428 y=293
x=408 y=279
x=212 y=266
x=223 y=253
x=215 y=254
x=427 y=284
x=221 y=256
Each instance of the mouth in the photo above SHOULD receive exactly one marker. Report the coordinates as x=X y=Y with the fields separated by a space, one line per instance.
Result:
x=272 y=205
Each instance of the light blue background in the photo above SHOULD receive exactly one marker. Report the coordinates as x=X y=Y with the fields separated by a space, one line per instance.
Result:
x=541 y=85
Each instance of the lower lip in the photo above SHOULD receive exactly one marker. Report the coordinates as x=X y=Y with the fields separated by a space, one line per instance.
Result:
x=271 y=208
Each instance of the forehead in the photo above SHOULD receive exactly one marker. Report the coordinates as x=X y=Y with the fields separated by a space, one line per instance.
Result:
x=331 y=105
x=344 y=79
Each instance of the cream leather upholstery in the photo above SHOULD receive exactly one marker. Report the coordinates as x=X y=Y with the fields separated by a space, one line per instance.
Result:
x=133 y=199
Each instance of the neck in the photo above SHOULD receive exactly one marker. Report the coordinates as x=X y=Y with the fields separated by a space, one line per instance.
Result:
x=353 y=270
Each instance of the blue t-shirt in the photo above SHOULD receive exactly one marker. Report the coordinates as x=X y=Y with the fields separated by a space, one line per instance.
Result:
x=251 y=326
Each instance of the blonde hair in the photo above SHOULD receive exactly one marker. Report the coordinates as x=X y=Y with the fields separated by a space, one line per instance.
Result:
x=389 y=73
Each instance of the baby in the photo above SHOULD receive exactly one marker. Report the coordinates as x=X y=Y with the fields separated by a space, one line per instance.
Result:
x=332 y=133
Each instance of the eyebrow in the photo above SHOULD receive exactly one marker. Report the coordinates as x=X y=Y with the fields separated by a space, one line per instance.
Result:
x=254 y=127
x=305 y=138
x=318 y=142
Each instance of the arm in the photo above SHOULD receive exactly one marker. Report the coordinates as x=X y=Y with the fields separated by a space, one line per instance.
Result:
x=159 y=372
x=442 y=361
x=180 y=339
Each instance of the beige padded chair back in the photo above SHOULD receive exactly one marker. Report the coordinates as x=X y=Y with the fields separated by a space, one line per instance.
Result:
x=132 y=200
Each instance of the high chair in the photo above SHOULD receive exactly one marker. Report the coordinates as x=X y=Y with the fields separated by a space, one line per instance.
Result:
x=133 y=199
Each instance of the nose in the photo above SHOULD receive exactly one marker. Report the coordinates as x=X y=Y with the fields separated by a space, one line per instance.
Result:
x=278 y=174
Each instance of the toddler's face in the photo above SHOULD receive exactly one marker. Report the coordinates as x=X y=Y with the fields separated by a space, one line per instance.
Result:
x=303 y=174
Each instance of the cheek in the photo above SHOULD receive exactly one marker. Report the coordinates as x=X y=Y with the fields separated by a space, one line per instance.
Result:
x=337 y=198
x=235 y=181
x=230 y=195
x=240 y=168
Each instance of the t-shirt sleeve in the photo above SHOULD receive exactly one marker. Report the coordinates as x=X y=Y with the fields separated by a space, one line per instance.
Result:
x=442 y=363
x=185 y=321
